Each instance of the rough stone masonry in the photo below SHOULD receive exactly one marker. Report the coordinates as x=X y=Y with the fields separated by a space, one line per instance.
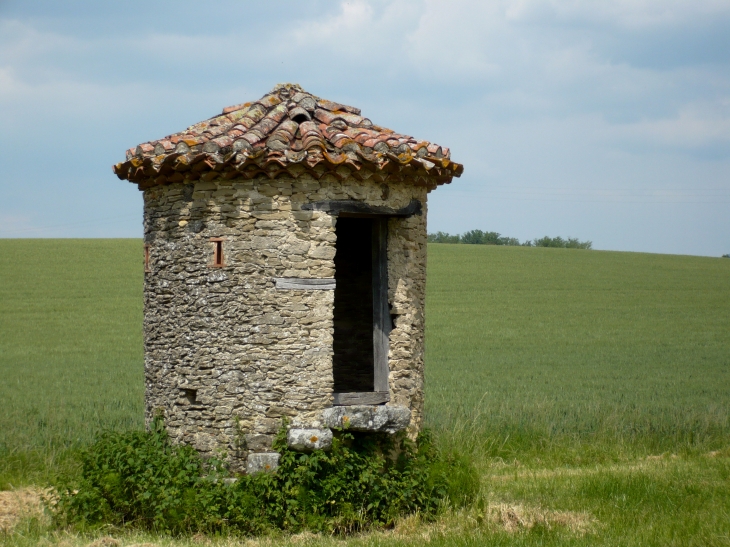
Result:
x=240 y=212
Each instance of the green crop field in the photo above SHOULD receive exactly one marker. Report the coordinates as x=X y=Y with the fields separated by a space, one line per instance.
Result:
x=70 y=347
x=575 y=348
x=591 y=388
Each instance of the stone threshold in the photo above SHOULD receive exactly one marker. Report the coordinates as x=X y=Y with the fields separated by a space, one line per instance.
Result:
x=361 y=398
x=359 y=418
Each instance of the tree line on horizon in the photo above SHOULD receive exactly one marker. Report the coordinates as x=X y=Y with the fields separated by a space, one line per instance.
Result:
x=478 y=237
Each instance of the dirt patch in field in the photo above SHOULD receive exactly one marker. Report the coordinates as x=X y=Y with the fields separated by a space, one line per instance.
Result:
x=648 y=464
x=516 y=518
x=512 y=518
x=413 y=526
x=18 y=504
x=106 y=541
x=656 y=457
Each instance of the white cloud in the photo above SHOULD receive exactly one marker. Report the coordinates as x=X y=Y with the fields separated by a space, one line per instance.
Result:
x=19 y=225
x=634 y=14
x=466 y=41
x=9 y=84
x=695 y=126
x=358 y=33
x=337 y=29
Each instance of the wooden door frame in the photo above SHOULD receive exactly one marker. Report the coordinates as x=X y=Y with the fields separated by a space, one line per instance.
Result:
x=381 y=310
x=381 y=315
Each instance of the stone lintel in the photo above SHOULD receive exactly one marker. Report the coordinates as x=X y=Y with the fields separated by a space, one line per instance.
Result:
x=352 y=207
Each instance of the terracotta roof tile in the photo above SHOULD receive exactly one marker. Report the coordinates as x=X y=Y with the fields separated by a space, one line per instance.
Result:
x=285 y=127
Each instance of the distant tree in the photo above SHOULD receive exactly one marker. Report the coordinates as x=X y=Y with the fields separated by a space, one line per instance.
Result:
x=473 y=237
x=548 y=241
x=725 y=256
x=443 y=237
x=493 y=238
x=478 y=237
x=559 y=242
x=573 y=243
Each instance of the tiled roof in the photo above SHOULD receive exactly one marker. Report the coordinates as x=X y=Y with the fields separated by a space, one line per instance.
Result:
x=288 y=132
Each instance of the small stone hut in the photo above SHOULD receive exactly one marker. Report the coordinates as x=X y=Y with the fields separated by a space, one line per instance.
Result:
x=285 y=274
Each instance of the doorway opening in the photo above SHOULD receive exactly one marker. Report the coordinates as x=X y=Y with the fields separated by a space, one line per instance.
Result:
x=360 y=360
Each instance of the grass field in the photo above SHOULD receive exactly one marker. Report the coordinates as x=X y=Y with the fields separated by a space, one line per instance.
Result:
x=70 y=348
x=592 y=389
x=574 y=348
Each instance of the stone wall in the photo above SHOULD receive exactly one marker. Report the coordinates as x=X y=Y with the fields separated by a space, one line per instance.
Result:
x=227 y=355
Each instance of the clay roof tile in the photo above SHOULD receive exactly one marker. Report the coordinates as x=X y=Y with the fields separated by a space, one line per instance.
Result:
x=287 y=125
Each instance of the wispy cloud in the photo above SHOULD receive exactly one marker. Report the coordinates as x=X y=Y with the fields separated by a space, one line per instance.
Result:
x=635 y=14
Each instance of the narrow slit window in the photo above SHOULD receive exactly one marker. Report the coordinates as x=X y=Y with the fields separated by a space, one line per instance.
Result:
x=147 y=259
x=217 y=252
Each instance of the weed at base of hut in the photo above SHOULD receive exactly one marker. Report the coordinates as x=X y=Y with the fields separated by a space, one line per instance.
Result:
x=140 y=480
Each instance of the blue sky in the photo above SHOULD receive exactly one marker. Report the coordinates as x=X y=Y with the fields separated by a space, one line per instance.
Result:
x=607 y=121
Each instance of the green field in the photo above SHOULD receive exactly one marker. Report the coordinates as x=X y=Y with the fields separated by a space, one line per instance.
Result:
x=70 y=347
x=577 y=348
x=591 y=388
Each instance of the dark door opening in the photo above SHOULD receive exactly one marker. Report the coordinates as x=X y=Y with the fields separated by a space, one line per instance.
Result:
x=353 y=318
x=360 y=360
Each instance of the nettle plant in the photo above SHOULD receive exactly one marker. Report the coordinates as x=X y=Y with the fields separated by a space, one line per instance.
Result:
x=139 y=479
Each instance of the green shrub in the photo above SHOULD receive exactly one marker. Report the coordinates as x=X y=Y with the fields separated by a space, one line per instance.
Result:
x=140 y=479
